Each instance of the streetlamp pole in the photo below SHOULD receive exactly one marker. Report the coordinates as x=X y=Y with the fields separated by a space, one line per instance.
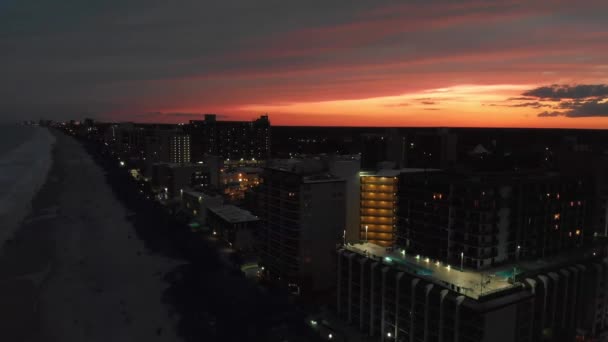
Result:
x=344 y=237
x=366 y=234
x=461 y=261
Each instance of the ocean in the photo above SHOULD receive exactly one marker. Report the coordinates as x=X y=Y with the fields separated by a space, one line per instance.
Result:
x=25 y=160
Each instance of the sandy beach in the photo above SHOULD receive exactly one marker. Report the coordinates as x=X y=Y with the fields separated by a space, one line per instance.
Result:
x=75 y=270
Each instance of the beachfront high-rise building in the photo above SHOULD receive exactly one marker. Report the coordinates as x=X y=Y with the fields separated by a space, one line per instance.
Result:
x=230 y=139
x=396 y=296
x=478 y=257
x=302 y=211
x=485 y=219
x=378 y=222
x=379 y=204
x=168 y=146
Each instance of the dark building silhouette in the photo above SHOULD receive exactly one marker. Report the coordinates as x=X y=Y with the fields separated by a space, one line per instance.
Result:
x=486 y=219
x=230 y=139
x=302 y=208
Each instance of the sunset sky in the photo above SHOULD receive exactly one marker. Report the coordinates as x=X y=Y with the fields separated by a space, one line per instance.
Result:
x=351 y=63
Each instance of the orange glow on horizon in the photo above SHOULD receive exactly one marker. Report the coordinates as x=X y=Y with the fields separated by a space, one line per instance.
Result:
x=458 y=106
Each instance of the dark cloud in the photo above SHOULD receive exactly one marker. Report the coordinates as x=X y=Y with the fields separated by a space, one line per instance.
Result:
x=574 y=101
x=558 y=92
x=428 y=102
x=521 y=98
x=403 y=104
x=534 y=104
x=432 y=108
x=548 y=114
x=589 y=108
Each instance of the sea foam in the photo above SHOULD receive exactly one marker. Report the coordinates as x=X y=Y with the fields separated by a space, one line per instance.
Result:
x=23 y=171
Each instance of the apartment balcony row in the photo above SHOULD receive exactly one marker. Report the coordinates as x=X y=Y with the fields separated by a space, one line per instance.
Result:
x=377 y=212
x=379 y=180
x=378 y=196
x=378 y=188
x=377 y=204
x=378 y=220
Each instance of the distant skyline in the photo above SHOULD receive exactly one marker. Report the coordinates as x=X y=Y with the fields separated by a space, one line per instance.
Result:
x=350 y=63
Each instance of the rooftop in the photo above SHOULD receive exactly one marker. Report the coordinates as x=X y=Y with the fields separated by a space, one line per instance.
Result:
x=234 y=214
x=202 y=194
x=471 y=283
x=395 y=172
x=321 y=177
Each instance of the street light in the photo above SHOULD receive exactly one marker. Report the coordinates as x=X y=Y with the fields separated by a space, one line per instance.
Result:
x=461 y=261
x=366 y=233
x=344 y=237
x=518 y=250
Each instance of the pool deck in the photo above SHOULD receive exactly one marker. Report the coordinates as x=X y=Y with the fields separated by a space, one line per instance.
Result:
x=471 y=283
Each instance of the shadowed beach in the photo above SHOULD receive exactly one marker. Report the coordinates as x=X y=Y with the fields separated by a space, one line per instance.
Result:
x=73 y=271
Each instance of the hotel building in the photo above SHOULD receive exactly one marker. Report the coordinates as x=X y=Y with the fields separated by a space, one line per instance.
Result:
x=302 y=211
x=395 y=296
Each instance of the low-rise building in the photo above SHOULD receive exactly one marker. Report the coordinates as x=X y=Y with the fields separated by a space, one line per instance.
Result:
x=171 y=179
x=197 y=203
x=233 y=224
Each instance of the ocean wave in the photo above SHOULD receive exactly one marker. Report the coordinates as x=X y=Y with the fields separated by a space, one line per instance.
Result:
x=23 y=171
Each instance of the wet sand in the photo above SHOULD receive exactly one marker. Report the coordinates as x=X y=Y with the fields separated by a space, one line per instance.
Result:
x=75 y=271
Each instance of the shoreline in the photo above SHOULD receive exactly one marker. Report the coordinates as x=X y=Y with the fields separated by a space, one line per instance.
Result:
x=24 y=265
x=94 y=261
x=73 y=272
x=16 y=205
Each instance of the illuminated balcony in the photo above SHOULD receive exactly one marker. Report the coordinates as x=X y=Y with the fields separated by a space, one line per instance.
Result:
x=378 y=180
x=378 y=188
x=377 y=212
x=377 y=220
x=377 y=204
x=378 y=196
